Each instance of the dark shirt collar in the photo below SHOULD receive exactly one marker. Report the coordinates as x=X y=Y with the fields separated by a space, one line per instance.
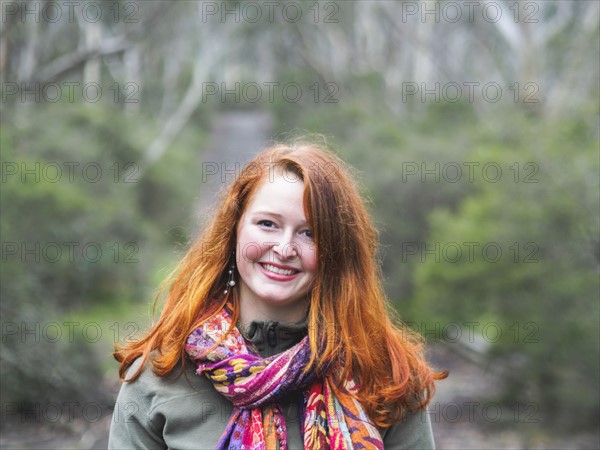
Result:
x=272 y=337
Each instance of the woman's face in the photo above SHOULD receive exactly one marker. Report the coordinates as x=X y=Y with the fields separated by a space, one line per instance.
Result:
x=275 y=254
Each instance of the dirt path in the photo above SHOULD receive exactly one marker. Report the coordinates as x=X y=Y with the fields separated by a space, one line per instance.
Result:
x=236 y=137
x=465 y=416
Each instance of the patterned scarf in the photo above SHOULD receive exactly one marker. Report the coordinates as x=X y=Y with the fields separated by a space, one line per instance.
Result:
x=332 y=419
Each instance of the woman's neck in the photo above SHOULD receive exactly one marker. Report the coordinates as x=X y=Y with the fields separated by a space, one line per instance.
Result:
x=251 y=310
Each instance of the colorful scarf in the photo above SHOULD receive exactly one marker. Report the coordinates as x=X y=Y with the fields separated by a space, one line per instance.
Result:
x=331 y=418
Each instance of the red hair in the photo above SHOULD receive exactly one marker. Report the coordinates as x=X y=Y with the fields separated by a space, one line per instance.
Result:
x=350 y=320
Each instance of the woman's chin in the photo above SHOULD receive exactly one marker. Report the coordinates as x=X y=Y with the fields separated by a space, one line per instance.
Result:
x=279 y=299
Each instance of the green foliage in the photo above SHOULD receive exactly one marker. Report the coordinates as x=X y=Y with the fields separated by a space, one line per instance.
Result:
x=84 y=225
x=542 y=291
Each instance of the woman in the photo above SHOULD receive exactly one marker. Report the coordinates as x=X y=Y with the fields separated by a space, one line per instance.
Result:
x=279 y=307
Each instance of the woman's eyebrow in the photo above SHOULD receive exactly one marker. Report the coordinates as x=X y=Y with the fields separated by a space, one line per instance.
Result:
x=274 y=214
x=268 y=213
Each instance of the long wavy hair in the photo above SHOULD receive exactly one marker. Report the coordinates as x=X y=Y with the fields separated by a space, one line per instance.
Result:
x=351 y=325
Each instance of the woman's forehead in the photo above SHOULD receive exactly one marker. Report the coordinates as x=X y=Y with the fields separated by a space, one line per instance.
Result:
x=284 y=191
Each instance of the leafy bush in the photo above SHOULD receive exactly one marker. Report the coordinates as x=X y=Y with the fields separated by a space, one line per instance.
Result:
x=83 y=226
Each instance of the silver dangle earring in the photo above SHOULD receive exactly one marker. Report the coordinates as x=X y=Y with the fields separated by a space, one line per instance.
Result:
x=230 y=281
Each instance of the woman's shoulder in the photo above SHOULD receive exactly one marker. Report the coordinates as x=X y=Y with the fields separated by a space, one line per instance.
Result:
x=174 y=411
x=413 y=431
x=152 y=390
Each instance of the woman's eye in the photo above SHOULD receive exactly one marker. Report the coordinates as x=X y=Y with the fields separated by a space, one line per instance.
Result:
x=308 y=234
x=266 y=223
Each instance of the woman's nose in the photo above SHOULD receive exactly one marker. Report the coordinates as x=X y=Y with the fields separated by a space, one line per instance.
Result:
x=286 y=248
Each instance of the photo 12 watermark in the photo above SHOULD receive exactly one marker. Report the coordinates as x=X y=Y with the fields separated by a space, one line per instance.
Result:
x=469 y=171
x=469 y=92
x=38 y=11
x=69 y=331
x=471 y=252
x=69 y=252
x=469 y=11
x=52 y=412
x=269 y=91
x=474 y=331
x=269 y=11
x=69 y=172
x=69 y=91
x=223 y=172
x=487 y=412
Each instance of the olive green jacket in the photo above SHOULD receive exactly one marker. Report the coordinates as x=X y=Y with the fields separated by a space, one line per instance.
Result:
x=186 y=412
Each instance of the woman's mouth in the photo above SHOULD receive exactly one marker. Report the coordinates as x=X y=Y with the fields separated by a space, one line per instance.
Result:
x=278 y=273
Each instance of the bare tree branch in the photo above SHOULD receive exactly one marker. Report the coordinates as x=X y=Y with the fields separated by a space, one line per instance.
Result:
x=76 y=59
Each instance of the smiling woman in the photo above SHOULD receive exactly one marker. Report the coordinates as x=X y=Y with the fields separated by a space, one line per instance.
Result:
x=276 y=257
x=278 y=306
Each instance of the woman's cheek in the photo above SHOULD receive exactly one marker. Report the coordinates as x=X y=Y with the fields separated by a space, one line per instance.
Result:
x=309 y=260
x=252 y=244
x=252 y=251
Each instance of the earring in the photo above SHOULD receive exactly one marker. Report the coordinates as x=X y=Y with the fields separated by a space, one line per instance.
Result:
x=230 y=282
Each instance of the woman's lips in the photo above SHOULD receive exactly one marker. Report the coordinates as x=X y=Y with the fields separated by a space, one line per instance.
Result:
x=278 y=273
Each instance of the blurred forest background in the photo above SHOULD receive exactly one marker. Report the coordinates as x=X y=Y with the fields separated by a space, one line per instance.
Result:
x=474 y=129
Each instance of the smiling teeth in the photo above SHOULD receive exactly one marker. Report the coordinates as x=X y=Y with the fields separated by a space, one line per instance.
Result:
x=274 y=269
